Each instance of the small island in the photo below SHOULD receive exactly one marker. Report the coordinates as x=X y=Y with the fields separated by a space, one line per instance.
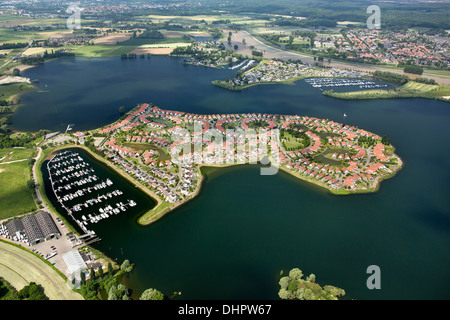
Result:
x=294 y=287
x=163 y=151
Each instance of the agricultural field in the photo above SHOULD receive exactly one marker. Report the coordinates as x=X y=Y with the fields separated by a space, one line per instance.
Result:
x=33 y=51
x=102 y=50
x=112 y=39
x=159 y=48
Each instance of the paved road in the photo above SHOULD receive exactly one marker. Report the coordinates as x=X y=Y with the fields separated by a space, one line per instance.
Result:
x=17 y=55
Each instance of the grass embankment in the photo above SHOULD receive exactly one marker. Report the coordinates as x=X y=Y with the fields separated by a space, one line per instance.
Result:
x=19 y=266
x=411 y=89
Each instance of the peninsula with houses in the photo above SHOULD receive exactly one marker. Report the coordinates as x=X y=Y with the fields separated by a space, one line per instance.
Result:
x=337 y=157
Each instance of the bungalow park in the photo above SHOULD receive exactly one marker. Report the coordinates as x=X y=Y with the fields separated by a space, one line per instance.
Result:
x=339 y=157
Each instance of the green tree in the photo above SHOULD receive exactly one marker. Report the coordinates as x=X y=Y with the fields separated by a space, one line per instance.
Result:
x=311 y=278
x=32 y=291
x=126 y=266
x=100 y=272
x=110 y=268
x=92 y=274
x=385 y=140
x=16 y=72
x=293 y=285
x=151 y=294
x=82 y=277
x=413 y=69
x=295 y=274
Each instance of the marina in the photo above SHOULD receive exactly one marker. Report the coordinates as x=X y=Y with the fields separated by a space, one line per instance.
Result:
x=337 y=82
x=85 y=197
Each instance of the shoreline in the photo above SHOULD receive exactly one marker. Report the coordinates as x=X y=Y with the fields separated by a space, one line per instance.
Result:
x=149 y=217
x=385 y=94
x=146 y=220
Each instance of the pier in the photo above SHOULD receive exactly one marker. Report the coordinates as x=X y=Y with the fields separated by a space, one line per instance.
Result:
x=72 y=179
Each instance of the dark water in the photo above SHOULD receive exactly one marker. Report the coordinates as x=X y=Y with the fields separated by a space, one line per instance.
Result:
x=232 y=241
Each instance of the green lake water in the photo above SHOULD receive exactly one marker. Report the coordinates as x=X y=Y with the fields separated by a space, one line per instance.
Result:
x=232 y=240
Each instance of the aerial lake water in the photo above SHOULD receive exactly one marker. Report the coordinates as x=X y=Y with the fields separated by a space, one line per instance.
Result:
x=232 y=240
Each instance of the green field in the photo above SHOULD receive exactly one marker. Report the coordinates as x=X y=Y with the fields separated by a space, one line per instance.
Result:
x=13 y=154
x=15 y=196
x=102 y=50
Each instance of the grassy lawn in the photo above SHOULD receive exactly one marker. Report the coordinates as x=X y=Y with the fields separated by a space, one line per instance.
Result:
x=12 y=154
x=15 y=196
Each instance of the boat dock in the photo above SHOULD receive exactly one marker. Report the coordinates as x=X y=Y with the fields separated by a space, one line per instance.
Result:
x=73 y=179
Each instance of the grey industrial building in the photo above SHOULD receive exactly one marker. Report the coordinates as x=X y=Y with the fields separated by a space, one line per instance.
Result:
x=36 y=228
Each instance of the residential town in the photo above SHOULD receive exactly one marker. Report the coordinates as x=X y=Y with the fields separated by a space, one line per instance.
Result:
x=282 y=71
x=162 y=149
x=390 y=47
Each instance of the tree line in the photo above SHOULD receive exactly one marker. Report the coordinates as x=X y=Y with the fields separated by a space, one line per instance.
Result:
x=13 y=45
x=295 y=287
x=31 y=291
x=390 y=77
x=46 y=56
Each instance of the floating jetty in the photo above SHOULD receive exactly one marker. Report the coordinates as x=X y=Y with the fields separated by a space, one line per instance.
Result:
x=72 y=179
x=336 y=82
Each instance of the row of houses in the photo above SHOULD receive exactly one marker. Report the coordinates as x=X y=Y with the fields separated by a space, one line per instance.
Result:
x=127 y=121
x=161 y=188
